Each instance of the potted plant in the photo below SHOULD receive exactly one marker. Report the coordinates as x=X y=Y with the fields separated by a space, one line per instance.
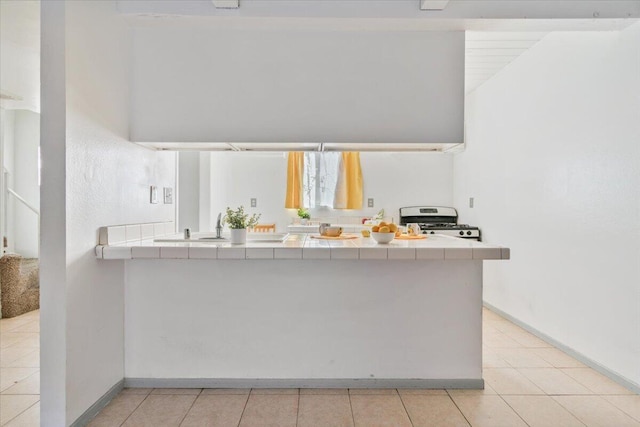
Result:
x=238 y=222
x=304 y=216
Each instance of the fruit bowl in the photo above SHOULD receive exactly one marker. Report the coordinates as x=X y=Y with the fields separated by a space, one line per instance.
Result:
x=382 y=237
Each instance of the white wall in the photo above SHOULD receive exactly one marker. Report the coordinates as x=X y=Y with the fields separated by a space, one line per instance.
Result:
x=395 y=180
x=188 y=190
x=552 y=161
x=107 y=181
x=205 y=208
x=7 y=133
x=25 y=182
x=21 y=138
x=392 y=179
x=19 y=74
x=304 y=85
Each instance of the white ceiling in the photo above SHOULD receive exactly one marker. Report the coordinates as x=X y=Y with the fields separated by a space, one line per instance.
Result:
x=488 y=52
x=455 y=10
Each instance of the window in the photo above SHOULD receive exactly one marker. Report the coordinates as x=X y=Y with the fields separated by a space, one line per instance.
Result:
x=319 y=179
x=324 y=179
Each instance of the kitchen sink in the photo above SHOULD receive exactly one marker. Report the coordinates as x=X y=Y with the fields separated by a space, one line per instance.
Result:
x=211 y=238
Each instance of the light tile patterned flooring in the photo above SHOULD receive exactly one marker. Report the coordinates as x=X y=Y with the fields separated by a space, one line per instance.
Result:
x=20 y=370
x=528 y=383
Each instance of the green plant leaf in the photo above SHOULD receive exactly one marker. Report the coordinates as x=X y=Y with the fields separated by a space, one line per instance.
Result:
x=238 y=219
x=303 y=214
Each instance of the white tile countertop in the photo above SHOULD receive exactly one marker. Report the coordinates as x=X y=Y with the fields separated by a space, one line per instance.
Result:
x=313 y=228
x=303 y=247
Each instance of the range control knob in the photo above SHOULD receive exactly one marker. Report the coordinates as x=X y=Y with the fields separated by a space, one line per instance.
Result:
x=468 y=233
x=462 y=233
x=433 y=232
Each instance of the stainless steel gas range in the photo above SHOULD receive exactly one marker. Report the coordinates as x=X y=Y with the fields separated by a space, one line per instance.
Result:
x=438 y=220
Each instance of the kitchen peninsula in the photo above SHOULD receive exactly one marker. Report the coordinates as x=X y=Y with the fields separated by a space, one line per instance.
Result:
x=300 y=313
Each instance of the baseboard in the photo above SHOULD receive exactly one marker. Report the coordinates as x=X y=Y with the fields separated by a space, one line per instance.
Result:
x=571 y=352
x=464 y=383
x=88 y=415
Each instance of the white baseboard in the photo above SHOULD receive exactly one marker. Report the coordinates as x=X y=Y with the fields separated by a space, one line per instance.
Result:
x=88 y=415
x=470 y=383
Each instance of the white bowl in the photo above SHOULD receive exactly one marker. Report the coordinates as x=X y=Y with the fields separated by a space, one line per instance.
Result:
x=383 y=237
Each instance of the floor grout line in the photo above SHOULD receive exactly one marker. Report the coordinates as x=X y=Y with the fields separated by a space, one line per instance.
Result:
x=298 y=409
x=34 y=403
x=514 y=410
x=456 y=405
x=405 y=407
x=132 y=412
x=353 y=417
x=186 y=414
x=569 y=411
x=246 y=402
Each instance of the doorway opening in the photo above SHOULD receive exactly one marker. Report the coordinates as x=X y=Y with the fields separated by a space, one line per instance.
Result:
x=20 y=211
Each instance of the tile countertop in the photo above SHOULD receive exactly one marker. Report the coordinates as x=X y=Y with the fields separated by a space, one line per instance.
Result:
x=303 y=246
x=313 y=228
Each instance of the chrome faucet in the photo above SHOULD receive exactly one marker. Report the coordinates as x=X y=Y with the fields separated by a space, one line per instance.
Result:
x=219 y=227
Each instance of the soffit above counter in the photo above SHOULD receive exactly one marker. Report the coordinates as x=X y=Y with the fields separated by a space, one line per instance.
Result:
x=193 y=85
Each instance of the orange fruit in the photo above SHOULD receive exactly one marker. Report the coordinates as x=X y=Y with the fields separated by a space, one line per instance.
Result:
x=384 y=229
x=398 y=233
x=382 y=224
x=393 y=228
x=375 y=228
x=365 y=233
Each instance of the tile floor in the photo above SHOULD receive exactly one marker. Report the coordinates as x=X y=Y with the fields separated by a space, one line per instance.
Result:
x=528 y=383
x=20 y=370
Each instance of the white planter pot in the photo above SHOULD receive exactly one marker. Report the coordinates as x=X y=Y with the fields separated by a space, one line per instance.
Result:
x=238 y=236
x=303 y=221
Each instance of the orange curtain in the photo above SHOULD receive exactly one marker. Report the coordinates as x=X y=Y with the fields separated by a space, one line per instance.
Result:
x=295 y=168
x=349 y=189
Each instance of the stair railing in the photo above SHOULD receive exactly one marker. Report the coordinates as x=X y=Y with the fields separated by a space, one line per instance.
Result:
x=30 y=207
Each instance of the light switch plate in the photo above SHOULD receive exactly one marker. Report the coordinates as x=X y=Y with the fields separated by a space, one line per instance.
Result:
x=370 y=202
x=168 y=195
x=471 y=202
x=153 y=194
x=254 y=203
